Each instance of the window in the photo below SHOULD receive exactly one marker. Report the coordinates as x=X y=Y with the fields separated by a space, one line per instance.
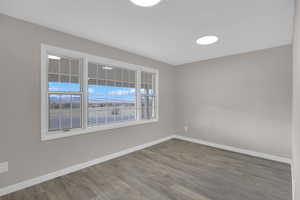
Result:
x=64 y=93
x=148 y=95
x=111 y=94
x=83 y=93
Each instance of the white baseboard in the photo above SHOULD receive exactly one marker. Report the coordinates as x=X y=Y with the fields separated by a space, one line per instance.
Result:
x=237 y=150
x=293 y=180
x=40 y=179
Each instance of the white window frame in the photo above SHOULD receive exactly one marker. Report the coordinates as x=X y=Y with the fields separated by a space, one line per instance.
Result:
x=48 y=135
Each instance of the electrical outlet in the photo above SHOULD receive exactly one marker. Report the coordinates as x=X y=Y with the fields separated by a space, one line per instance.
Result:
x=3 y=167
x=186 y=128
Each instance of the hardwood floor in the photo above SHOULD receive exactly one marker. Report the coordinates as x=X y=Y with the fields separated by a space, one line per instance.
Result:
x=169 y=171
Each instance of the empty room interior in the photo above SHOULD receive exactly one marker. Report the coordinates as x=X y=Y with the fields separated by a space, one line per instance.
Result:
x=150 y=100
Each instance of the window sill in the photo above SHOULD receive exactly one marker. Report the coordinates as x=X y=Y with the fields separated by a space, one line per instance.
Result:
x=56 y=135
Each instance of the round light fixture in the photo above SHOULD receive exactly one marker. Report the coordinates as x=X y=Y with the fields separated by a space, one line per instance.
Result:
x=145 y=3
x=206 y=40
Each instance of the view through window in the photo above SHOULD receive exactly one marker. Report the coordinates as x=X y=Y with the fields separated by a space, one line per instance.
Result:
x=83 y=93
x=64 y=93
x=148 y=95
x=111 y=94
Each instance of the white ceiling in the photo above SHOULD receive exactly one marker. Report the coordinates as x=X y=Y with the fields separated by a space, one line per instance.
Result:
x=167 y=31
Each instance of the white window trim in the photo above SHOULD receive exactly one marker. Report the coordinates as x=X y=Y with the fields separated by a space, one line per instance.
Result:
x=45 y=135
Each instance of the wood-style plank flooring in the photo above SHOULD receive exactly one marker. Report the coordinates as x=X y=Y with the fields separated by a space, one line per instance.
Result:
x=173 y=170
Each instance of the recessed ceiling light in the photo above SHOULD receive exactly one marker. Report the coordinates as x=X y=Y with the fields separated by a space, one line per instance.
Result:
x=145 y=3
x=53 y=57
x=206 y=40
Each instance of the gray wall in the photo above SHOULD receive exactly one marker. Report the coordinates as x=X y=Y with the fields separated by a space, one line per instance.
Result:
x=296 y=104
x=243 y=100
x=20 y=142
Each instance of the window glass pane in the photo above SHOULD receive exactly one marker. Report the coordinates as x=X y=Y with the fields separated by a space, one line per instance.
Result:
x=53 y=66
x=132 y=77
x=52 y=78
x=75 y=79
x=108 y=72
x=111 y=94
x=64 y=67
x=54 y=112
x=101 y=113
x=147 y=83
x=148 y=107
x=118 y=74
x=63 y=74
x=150 y=90
x=92 y=70
x=125 y=75
x=92 y=118
x=64 y=111
x=75 y=67
x=76 y=111
x=148 y=93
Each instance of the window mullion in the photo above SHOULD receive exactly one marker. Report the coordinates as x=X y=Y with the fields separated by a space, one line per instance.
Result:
x=71 y=112
x=138 y=94
x=84 y=79
x=60 y=112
